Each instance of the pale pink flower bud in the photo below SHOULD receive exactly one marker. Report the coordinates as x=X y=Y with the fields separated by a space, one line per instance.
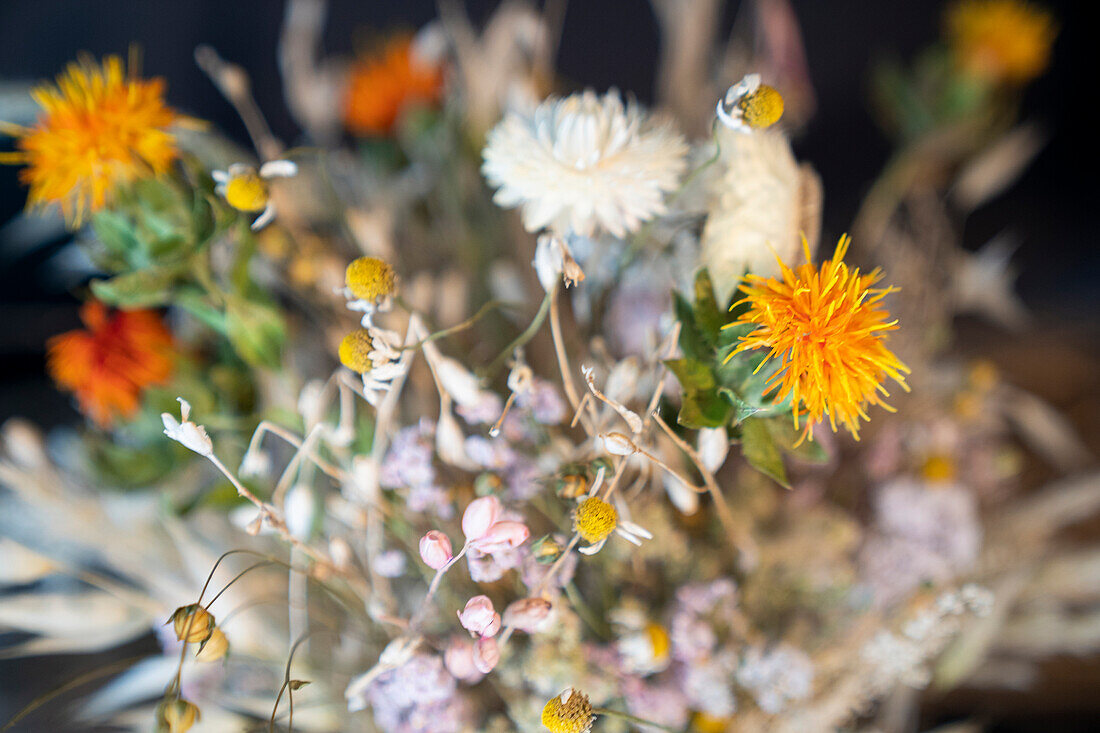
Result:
x=486 y=654
x=504 y=535
x=459 y=660
x=479 y=617
x=479 y=516
x=435 y=549
x=528 y=614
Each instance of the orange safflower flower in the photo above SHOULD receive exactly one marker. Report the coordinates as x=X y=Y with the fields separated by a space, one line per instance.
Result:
x=111 y=362
x=827 y=327
x=382 y=87
x=1001 y=40
x=99 y=127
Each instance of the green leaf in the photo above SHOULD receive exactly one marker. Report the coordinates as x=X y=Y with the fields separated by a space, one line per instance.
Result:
x=116 y=233
x=256 y=331
x=693 y=374
x=760 y=450
x=708 y=317
x=741 y=408
x=691 y=341
x=139 y=289
x=704 y=409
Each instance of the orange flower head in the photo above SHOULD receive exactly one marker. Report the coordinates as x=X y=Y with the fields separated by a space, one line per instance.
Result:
x=1001 y=40
x=99 y=127
x=827 y=326
x=108 y=364
x=384 y=86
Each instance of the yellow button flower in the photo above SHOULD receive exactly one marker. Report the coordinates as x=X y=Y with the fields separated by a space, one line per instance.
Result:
x=595 y=519
x=569 y=712
x=355 y=351
x=369 y=278
x=762 y=108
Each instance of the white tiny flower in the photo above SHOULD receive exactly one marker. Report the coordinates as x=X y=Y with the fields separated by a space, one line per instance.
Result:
x=300 y=509
x=728 y=111
x=714 y=446
x=618 y=444
x=255 y=464
x=186 y=432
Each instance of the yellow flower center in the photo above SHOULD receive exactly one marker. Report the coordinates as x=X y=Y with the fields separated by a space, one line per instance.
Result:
x=355 y=351
x=572 y=485
x=369 y=278
x=569 y=712
x=247 y=192
x=762 y=108
x=658 y=640
x=595 y=519
x=703 y=723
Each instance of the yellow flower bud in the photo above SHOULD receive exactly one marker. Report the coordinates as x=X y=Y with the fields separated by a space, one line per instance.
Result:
x=192 y=624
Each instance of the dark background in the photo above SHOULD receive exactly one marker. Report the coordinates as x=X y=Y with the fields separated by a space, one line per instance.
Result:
x=605 y=43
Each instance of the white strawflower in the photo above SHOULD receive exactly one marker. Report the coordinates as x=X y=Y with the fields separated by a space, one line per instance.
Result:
x=584 y=162
x=761 y=205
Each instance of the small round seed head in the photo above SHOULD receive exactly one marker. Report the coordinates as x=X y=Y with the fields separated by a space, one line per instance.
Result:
x=762 y=108
x=247 y=192
x=355 y=351
x=595 y=519
x=192 y=624
x=569 y=712
x=369 y=278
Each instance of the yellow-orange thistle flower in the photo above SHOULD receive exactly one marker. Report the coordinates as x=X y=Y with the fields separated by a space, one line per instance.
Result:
x=99 y=127
x=110 y=363
x=1001 y=40
x=382 y=87
x=827 y=326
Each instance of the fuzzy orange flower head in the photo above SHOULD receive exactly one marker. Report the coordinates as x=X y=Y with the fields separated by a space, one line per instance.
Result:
x=1001 y=40
x=382 y=87
x=827 y=326
x=99 y=127
x=108 y=364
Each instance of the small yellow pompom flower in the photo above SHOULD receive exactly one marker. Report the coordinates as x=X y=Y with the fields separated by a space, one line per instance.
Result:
x=1001 y=40
x=355 y=351
x=569 y=712
x=595 y=519
x=369 y=278
x=101 y=126
x=659 y=640
x=247 y=191
x=938 y=468
x=827 y=327
x=192 y=624
x=762 y=108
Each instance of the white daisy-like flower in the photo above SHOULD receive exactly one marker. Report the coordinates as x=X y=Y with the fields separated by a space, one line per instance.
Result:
x=583 y=163
x=246 y=189
x=595 y=520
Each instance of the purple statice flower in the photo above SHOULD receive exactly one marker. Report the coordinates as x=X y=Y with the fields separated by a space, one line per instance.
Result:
x=492 y=453
x=390 y=564
x=485 y=410
x=408 y=465
x=637 y=314
x=521 y=479
x=776 y=676
x=697 y=608
x=543 y=401
x=661 y=702
x=921 y=534
x=417 y=697
x=706 y=685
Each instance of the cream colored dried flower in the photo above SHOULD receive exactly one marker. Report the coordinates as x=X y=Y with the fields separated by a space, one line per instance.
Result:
x=760 y=206
x=583 y=163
